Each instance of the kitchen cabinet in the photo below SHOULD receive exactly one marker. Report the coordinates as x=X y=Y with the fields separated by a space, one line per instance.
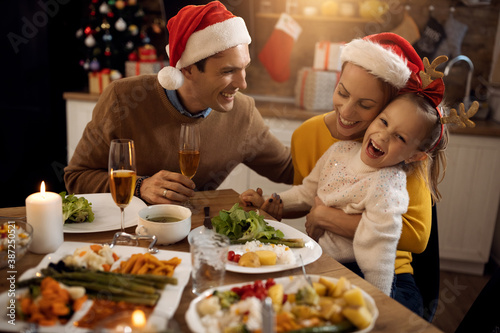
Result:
x=79 y=107
x=468 y=212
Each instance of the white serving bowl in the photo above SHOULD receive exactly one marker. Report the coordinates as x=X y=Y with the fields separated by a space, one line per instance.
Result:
x=166 y=232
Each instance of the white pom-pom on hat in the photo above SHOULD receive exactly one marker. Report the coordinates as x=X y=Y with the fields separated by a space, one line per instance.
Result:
x=170 y=78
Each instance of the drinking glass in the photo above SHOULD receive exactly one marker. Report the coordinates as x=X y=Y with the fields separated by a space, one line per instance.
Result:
x=122 y=174
x=208 y=257
x=189 y=152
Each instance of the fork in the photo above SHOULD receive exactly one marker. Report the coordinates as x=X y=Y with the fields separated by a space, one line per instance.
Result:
x=307 y=277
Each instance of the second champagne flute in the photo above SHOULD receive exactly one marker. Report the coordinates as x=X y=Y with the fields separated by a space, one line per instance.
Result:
x=189 y=152
x=122 y=174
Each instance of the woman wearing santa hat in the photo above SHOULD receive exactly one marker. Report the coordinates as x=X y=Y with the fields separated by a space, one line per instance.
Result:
x=208 y=56
x=374 y=69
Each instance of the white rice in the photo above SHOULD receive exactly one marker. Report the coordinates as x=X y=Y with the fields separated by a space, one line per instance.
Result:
x=284 y=255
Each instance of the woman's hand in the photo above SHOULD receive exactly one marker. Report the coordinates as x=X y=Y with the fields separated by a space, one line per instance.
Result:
x=322 y=218
x=252 y=198
x=166 y=187
x=314 y=220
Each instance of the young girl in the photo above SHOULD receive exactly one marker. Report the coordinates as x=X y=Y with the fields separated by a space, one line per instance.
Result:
x=369 y=178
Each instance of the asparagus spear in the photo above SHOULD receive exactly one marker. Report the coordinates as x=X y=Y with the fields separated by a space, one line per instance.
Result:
x=290 y=242
x=116 y=281
x=132 y=288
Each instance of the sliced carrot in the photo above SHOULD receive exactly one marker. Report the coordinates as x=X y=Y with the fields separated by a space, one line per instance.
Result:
x=106 y=267
x=115 y=256
x=77 y=303
x=59 y=309
x=138 y=264
x=81 y=254
x=127 y=268
x=96 y=248
x=25 y=305
x=47 y=322
x=174 y=261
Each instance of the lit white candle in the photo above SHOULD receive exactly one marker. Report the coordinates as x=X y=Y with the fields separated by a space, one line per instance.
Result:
x=44 y=213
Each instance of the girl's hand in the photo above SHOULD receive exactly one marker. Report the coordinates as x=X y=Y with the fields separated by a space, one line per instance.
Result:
x=273 y=206
x=252 y=198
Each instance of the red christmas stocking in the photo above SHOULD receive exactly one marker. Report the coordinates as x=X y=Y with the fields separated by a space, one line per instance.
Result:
x=275 y=56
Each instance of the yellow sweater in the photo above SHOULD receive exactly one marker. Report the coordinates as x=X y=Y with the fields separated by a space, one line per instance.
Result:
x=313 y=138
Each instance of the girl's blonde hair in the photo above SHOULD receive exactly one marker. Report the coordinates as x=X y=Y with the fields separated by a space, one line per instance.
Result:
x=432 y=169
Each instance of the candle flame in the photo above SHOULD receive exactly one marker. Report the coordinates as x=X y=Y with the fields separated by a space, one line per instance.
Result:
x=138 y=318
x=42 y=188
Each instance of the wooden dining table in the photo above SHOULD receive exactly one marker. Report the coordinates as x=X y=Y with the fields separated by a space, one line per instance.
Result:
x=393 y=317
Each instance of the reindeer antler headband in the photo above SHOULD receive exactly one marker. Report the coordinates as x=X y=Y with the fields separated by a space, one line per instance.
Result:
x=429 y=84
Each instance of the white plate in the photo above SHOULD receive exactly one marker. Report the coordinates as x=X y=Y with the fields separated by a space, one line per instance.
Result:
x=106 y=214
x=310 y=252
x=290 y=285
x=165 y=308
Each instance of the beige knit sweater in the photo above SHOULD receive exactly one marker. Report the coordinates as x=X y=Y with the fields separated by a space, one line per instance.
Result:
x=137 y=108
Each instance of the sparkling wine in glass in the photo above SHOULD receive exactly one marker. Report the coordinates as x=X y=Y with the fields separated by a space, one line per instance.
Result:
x=189 y=151
x=122 y=174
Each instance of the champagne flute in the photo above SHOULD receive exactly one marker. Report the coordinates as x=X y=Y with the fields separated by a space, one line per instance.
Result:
x=189 y=152
x=122 y=174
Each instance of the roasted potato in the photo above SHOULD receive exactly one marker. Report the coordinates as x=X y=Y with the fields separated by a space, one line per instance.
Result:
x=249 y=259
x=266 y=257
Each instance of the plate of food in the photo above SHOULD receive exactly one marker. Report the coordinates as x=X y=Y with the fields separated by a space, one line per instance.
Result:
x=106 y=214
x=260 y=245
x=133 y=279
x=329 y=305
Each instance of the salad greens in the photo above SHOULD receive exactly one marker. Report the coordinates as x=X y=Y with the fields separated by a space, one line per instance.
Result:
x=226 y=298
x=76 y=209
x=241 y=226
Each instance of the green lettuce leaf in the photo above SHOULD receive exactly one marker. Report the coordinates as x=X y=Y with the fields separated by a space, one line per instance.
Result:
x=238 y=224
x=76 y=209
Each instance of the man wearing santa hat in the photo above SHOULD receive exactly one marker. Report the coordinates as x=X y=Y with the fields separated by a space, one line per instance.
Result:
x=208 y=56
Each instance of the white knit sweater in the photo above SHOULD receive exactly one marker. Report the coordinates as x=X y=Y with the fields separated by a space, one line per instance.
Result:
x=341 y=180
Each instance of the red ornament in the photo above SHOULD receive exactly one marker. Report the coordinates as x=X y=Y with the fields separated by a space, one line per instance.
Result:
x=133 y=56
x=107 y=52
x=110 y=14
x=88 y=30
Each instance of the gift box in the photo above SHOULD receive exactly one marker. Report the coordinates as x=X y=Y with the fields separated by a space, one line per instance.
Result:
x=327 y=56
x=133 y=68
x=98 y=81
x=147 y=53
x=314 y=89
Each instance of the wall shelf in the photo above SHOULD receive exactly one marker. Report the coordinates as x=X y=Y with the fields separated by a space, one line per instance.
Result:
x=317 y=18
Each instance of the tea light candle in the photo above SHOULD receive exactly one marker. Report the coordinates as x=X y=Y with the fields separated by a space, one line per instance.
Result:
x=138 y=319
x=44 y=213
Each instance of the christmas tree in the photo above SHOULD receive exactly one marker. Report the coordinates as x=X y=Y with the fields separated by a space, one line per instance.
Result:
x=111 y=31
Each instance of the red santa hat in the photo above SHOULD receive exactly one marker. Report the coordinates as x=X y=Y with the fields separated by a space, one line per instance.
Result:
x=386 y=55
x=196 y=33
